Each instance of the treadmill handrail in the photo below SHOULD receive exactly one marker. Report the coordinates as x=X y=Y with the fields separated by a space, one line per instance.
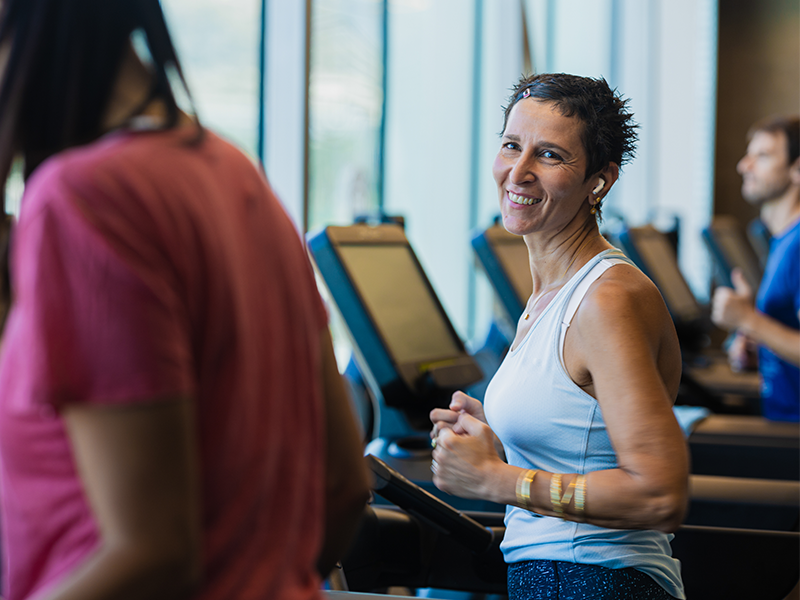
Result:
x=767 y=492
x=407 y=495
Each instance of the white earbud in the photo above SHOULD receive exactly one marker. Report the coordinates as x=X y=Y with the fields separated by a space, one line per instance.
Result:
x=599 y=187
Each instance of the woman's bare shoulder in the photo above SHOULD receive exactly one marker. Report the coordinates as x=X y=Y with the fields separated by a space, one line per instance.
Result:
x=624 y=321
x=624 y=290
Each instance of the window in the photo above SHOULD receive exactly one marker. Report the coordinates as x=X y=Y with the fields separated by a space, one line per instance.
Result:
x=346 y=99
x=217 y=42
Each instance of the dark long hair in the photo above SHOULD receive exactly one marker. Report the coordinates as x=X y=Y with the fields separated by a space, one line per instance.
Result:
x=63 y=60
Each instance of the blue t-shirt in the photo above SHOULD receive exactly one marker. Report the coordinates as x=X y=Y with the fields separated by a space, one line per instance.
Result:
x=779 y=298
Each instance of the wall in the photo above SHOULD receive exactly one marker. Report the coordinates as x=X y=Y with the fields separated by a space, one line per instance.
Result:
x=662 y=56
x=759 y=75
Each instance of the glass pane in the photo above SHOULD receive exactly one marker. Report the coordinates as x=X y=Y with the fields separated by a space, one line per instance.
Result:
x=15 y=186
x=217 y=42
x=345 y=109
x=429 y=140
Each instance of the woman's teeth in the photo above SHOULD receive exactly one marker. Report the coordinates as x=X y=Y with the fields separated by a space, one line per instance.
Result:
x=516 y=199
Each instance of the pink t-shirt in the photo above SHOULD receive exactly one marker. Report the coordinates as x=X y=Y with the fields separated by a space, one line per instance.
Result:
x=145 y=266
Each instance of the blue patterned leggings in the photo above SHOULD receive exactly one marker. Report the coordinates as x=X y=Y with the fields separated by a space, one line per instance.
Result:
x=556 y=580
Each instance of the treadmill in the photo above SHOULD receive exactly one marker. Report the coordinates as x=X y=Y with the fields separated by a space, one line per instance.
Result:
x=721 y=445
x=654 y=254
x=405 y=346
x=729 y=249
x=401 y=542
x=421 y=542
x=504 y=258
x=708 y=379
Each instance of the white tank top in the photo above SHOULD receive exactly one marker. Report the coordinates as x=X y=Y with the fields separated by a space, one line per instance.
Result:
x=546 y=421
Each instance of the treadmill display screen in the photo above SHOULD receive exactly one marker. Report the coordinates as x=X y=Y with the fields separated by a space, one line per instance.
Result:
x=735 y=250
x=401 y=303
x=658 y=255
x=514 y=259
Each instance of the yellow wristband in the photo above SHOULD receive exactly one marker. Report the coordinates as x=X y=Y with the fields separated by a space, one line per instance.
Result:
x=520 y=479
x=555 y=493
x=526 y=488
x=567 y=497
x=524 y=482
x=580 y=494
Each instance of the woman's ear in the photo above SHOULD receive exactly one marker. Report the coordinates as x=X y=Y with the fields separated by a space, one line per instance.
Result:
x=605 y=179
x=610 y=174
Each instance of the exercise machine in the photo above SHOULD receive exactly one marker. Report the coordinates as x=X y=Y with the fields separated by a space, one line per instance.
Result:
x=720 y=444
x=730 y=249
x=405 y=346
x=421 y=542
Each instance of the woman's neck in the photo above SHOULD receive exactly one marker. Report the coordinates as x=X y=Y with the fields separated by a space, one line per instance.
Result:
x=129 y=96
x=553 y=263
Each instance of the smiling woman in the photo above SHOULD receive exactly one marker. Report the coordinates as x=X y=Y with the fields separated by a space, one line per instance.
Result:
x=542 y=163
x=595 y=466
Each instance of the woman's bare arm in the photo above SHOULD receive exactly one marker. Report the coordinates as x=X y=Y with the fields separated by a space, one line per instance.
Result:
x=626 y=340
x=618 y=340
x=138 y=465
x=347 y=478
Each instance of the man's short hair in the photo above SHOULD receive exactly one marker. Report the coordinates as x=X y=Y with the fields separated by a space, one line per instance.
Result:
x=789 y=124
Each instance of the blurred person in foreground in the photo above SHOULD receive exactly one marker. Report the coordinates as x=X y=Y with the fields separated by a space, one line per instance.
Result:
x=577 y=435
x=770 y=319
x=172 y=420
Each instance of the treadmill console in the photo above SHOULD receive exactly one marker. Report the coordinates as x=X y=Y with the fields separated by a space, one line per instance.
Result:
x=409 y=352
x=730 y=249
x=504 y=258
x=393 y=486
x=654 y=254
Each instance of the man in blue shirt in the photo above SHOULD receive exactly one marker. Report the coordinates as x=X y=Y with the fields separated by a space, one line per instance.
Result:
x=771 y=181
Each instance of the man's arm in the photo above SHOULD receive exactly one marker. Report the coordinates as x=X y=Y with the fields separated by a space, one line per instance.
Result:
x=766 y=331
x=734 y=309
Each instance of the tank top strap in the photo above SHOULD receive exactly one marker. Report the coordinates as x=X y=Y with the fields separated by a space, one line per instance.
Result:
x=605 y=261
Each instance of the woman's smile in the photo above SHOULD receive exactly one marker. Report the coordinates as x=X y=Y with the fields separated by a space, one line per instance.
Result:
x=541 y=164
x=520 y=199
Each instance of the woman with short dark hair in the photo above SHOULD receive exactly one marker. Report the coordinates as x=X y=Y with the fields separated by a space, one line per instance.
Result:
x=595 y=474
